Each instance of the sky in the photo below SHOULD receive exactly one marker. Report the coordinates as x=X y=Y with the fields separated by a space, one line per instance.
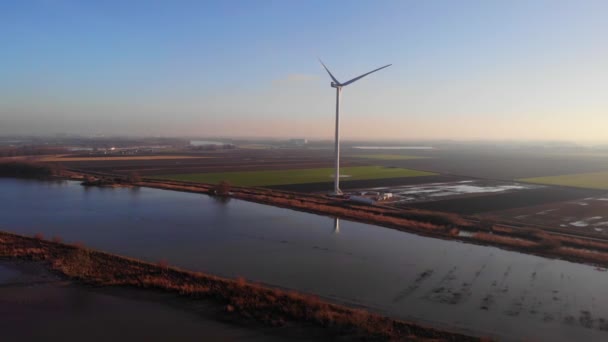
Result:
x=467 y=70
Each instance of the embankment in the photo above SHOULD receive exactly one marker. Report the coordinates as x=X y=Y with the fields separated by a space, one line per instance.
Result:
x=422 y=222
x=248 y=302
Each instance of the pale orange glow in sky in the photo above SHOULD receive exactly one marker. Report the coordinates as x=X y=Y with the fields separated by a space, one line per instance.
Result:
x=533 y=70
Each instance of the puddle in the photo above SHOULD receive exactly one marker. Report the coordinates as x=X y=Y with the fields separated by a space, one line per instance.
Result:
x=435 y=191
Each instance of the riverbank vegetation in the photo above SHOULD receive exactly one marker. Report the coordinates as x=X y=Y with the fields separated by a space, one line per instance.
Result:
x=25 y=169
x=422 y=222
x=239 y=299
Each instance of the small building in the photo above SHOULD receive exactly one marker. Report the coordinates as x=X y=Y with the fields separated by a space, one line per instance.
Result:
x=361 y=200
x=385 y=196
x=298 y=142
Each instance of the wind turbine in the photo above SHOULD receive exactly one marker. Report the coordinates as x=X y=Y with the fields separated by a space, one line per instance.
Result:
x=336 y=84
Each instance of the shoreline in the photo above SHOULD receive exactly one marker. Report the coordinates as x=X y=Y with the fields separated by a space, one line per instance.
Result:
x=440 y=225
x=552 y=243
x=44 y=300
x=239 y=300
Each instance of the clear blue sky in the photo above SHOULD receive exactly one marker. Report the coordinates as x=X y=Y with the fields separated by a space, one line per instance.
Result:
x=462 y=69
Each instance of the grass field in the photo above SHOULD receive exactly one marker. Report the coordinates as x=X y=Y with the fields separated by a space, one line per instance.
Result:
x=299 y=176
x=387 y=156
x=594 y=180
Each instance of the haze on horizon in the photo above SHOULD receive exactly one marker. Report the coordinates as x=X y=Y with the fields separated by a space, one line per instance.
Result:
x=533 y=70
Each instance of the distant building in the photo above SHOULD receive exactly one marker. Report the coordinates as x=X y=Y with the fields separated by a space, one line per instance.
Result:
x=385 y=196
x=298 y=142
x=373 y=196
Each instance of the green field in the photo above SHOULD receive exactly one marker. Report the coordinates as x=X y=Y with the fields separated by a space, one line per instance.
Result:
x=299 y=176
x=594 y=180
x=387 y=156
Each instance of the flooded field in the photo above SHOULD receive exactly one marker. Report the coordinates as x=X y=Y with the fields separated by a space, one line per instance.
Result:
x=491 y=202
x=448 y=190
x=585 y=214
x=473 y=289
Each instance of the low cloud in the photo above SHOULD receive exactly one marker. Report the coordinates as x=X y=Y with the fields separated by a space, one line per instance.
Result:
x=295 y=78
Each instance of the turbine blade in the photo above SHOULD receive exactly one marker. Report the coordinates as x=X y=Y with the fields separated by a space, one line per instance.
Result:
x=329 y=72
x=360 y=77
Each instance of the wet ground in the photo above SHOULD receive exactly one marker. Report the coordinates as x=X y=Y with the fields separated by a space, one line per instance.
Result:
x=36 y=305
x=473 y=289
x=497 y=201
x=475 y=196
x=406 y=194
x=589 y=214
x=356 y=185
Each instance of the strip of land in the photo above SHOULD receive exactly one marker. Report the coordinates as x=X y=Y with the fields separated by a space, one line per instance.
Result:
x=556 y=243
x=593 y=180
x=38 y=305
x=237 y=299
x=155 y=157
x=297 y=176
x=553 y=242
x=387 y=156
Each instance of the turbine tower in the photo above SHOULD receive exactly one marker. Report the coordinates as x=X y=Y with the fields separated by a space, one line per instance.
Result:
x=336 y=84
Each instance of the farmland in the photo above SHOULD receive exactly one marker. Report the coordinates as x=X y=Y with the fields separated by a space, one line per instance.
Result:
x=502 y=201
x=386 y=156
x=68 y=158
x=493 y=163
x=507 y=214
x=384 y=183
x=299 y=176
x=310 y=170
x=593 y=180
x=581 y=215
x=207 y=161
x=478 y=163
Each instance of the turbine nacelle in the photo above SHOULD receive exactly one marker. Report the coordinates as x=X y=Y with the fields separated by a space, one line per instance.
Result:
x=337 y=84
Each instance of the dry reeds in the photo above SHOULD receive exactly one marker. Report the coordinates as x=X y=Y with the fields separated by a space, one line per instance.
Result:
x=503 y=240
x=271 y=306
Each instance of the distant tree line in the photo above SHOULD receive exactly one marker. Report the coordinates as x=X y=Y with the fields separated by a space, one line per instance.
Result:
x=30 y=151
x=29 y=170
x=212 y=147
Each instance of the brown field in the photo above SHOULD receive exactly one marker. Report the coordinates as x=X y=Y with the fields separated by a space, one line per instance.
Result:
x=585 y=215
x=238 y=298
x=493 y=202
x=68 y=158
x=213 y=161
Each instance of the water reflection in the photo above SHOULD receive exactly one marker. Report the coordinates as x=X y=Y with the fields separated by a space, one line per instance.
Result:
x=462 y=286
x=221 y=199
x=135 y=190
